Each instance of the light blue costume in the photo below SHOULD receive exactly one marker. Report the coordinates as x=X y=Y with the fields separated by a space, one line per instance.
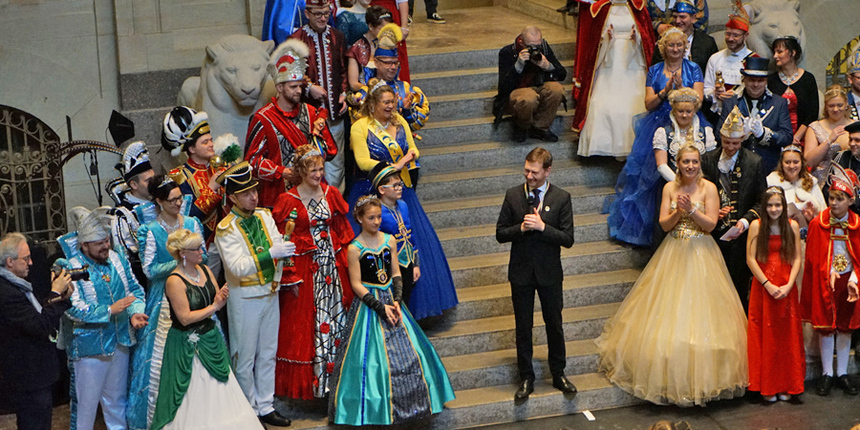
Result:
x=146 y=357
x=632 y=213
x=88 y=329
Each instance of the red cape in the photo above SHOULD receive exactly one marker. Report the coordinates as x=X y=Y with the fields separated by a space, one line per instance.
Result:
x=588 y=40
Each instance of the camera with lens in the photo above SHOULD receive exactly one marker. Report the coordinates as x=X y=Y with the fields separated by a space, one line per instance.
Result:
x=76 y=274
x=535 y=54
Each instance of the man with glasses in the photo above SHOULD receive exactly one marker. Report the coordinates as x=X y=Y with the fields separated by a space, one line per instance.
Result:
x=853 y=76
x=529 y=86
x=327 y=82
x=728 y=62
x=28 y=357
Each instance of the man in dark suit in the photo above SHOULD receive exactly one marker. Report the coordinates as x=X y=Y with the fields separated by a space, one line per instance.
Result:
x=28 y=357
x=701 y=45
x=736 y=171
x=765 y=116
x=537 y=218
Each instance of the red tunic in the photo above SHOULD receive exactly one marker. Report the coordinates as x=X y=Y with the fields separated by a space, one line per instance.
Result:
x=330 y=45
x=589 y=32
x=294 y=373
x=777 y=361
x=827 y=310
x=402 y=55
x=273 y=135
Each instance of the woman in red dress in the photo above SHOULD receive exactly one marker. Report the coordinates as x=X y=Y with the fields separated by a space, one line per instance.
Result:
x=315 y=293
x=777 y=361
x=400 y=15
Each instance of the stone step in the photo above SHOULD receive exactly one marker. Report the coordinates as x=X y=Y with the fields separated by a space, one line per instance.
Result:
x=474 y=240
x=467 y=105
x=462 y=81
x=546 y=10
x=479 y=129
x=479 y=210
x=491 y=154
x=579 y=290
x=477 y=179
x=590 y=257
x=455 y=59
x=497 y=332
x=495 y=404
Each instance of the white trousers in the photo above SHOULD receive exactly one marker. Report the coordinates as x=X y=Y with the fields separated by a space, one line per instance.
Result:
x=253 y=325
x=334 y=168
x=102 y=380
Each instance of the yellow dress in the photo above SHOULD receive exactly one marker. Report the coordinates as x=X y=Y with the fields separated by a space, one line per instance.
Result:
x=679 y=337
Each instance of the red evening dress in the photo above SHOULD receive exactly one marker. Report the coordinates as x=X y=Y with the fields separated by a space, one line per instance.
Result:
x=777 y=363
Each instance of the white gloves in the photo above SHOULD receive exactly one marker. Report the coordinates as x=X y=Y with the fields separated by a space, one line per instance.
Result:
x=282 y=249
x=666 y=172
x=755 y=126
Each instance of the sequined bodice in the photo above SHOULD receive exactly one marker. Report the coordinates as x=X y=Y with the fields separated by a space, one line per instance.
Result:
x=375 y=267
x=686 y=228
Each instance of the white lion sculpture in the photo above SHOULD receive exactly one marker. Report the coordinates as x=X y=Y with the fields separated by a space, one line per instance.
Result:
x=772 y=19
x=233 y=84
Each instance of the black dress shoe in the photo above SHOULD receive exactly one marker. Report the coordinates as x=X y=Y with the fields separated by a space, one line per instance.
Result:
x=562 y=384
x=847 y=385
x=544 y=135
x=520 y=134
x=527 y=387
x=825 y=384
x=275 y=419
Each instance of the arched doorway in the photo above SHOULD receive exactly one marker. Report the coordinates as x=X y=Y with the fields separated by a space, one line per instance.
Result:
x=31 y=178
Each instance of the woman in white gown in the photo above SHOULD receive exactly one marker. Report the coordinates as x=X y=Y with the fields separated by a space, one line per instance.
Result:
x=618 y=86
x=679 y=337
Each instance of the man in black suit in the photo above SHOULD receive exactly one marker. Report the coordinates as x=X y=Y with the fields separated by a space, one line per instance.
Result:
x=28 y=357
x=736 y=171
x=537 y=218
x=701 y=45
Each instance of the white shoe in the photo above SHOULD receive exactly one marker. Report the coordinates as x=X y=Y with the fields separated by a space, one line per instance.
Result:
x=784 y=397
x=769 y=399
x=436 y=19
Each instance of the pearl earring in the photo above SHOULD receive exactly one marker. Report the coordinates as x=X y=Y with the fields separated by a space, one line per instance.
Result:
x=183 y=261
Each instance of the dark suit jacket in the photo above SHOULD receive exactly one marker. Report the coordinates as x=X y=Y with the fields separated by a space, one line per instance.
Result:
x=750 y=187
x=509 y=78
x=536 y=254
x=777 y=123
x=28 y=358
x=702 y=48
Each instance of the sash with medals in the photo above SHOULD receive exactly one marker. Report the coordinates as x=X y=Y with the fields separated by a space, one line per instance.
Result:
x=394 y=149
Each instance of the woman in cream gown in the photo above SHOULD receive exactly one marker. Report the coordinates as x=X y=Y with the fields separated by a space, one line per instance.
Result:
x=680 y=335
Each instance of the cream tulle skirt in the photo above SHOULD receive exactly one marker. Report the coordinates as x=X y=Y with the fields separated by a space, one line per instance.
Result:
x=680 y=335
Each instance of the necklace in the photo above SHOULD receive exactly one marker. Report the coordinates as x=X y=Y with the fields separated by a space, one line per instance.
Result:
x=672 y=71
x=195 y=279
x=789 y=80
x=168 y=228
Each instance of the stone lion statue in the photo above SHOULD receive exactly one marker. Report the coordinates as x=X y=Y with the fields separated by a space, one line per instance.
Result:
x=233 y=84
x=772 y=19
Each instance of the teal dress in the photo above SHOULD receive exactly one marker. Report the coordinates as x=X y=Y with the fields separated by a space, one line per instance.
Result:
x=385 y=375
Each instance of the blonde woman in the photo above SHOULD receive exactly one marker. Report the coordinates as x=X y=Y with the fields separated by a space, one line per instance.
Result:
x=827 y=136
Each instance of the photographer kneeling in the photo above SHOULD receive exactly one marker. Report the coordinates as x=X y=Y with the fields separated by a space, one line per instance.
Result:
x=529 y=86
x=28 y=356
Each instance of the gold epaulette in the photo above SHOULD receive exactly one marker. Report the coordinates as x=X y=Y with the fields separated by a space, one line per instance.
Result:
x=178 y=175
x=225 y=226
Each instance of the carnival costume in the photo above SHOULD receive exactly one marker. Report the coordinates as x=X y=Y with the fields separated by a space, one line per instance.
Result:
x=412 y=104
x=197 y=388
x=402 y=55
x=96 y=341
x=253 y=275
x=146 y=357
x=434 y=292
x=352 y=24
x=631 y=215
x=679 y=336
x=274 y=134
x=727 y=63
x=281 y=18
x=314 y=322
x=615 y=70
x=362 y=52
x=385 y=374
x=660 y=12
x=397 y=223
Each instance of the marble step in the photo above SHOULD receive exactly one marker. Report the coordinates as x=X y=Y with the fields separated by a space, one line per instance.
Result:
x=477 y=179
x=579 y=290
x=485 y=209
x=546 y=10
x=456 y=59
x=495 y=404
x=497 y=332
x=589 y=257
x=479 y=129
x=475 y=240
x=491 y=154
x=466 y=105
x=461 y=81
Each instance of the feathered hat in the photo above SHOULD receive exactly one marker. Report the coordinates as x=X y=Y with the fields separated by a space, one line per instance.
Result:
x=288 y=61
x=739 y=19
x=227 y=151
x=842 y=179
x=182 y=127
x=91 y=225
x=734 y=126
x=135 y=160
x=388 y=38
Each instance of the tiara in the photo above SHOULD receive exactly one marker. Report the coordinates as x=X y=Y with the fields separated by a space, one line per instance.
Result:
x=792 y=148
x=681 y=97
x=167 y=181
x=385 y=15
x=312 y=153
x=378 y=85
x=837 y=90
x=364 y=200
x=775 y=189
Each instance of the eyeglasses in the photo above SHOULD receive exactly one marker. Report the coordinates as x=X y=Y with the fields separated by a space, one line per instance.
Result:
x=175 y=200
x=325 y=14
x=388 y=63
x=398 y=185
x=26 y=258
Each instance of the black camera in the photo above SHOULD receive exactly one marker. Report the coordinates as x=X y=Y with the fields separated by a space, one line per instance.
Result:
x=535 y=54
x=81 y=274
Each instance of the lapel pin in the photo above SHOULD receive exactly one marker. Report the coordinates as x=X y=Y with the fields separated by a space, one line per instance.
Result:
x=546 y=208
